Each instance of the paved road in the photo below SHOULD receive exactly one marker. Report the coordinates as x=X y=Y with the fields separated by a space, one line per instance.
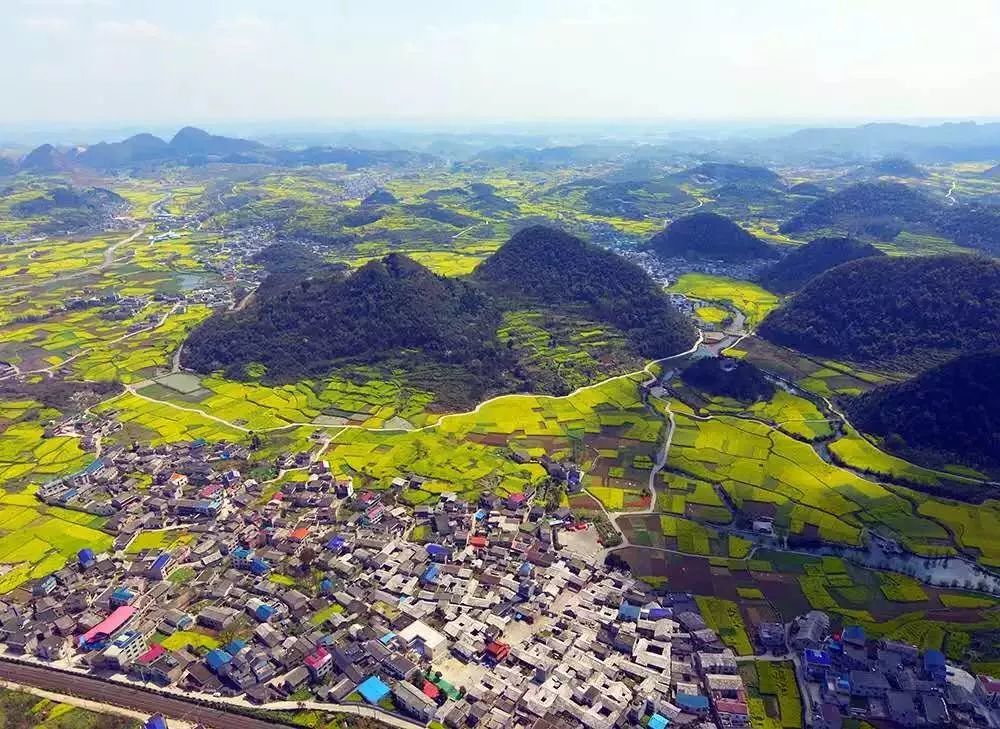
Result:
x=126 y=697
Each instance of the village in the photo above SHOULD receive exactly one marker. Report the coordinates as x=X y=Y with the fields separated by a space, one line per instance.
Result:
x=464 y=614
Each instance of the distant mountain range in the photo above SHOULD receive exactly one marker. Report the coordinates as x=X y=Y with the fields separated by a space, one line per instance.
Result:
x=884 y=144
x=193 y=146
x=950 y=142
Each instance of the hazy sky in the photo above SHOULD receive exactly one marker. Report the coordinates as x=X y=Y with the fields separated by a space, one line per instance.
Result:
x=382 y=60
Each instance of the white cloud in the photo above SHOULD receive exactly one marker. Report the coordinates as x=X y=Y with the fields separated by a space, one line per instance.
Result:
x=138 y=29
x=47 y=23
x=69 y=3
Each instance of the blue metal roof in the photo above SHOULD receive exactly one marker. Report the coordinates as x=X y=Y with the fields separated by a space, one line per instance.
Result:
x=691 y=701
x=217 y=658
x=821 y=658
x=657 y=721
x=628 y=612
x=373 y=689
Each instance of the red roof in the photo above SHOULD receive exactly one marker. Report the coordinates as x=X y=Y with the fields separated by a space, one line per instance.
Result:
x=317 y=658
x=517 y=498
x=498 y=650
x=728 y=706
x=109 y=625
x=430 y=690
x=152 y=654
x=300 y=533
x=211 y=490
x=477 y=541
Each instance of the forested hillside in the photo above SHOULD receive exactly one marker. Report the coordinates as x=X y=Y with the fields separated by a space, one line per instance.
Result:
x=808 y=261
x=949 y=413
x=386 y=306
x=707 y=235
x=541 y=265
x=894 y=311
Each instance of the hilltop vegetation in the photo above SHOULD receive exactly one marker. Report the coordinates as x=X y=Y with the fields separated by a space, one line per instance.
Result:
x=879 y=209
x=394 y=310
x=808 y=261
x=727 y=377
x=948 y=414
x=386 y=306
x=62 y=209
x=901 y=311
x=544 y=266
x=897 y=167
x=884 y=209
x=708 y=235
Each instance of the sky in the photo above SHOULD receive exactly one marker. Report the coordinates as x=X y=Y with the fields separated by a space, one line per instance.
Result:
x=468 y=61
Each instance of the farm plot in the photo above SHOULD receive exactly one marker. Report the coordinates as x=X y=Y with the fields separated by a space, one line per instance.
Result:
x=974 y=526
x=794 y=415
x=374 y=403
x=754 y=463
x=161 y=423
x=855 y=451
x=822 y=377
x=374 y=458
x=725 y=618
x=36 y=540
x=26 y=454
x=755 y=302
x=141 y=356
x=774 y=699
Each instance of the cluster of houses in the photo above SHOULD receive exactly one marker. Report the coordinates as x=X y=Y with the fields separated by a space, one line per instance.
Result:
x=852 y=677
x=318 y=592
x=464 y=613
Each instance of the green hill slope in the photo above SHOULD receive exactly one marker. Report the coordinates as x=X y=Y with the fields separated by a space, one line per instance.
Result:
x=808 y=261
x=894 y=312
x=707 y=235
x=544 y=266
x=950 y=413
